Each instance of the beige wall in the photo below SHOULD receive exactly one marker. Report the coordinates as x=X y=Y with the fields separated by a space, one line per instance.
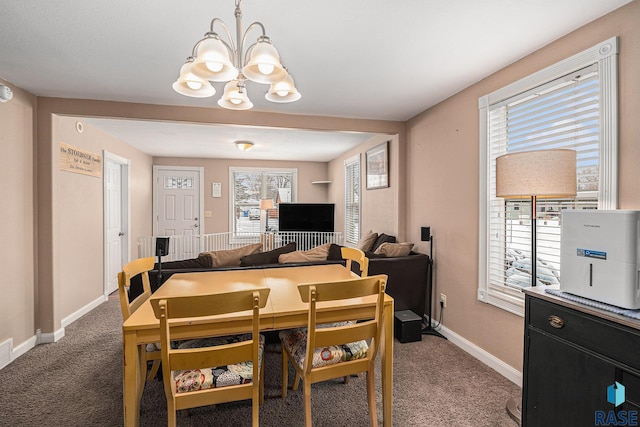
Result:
x=79 y=210
x=442 y=177
x=17 y=226
x=217 y=170
x=382 y=210
x=436 y=176
x=55 y=254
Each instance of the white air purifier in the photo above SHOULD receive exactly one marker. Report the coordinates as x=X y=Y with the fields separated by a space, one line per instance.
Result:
x=600 y=257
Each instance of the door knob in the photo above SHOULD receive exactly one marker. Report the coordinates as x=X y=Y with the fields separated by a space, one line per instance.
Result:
x=196 y=225
x=121 y=234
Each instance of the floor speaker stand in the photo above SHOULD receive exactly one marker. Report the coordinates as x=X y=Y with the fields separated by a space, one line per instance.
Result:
x=429 y=330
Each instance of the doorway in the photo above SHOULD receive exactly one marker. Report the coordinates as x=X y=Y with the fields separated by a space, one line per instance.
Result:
x=116 y=218
x=178 y=207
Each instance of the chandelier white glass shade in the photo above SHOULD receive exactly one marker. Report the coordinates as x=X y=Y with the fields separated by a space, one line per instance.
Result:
x=216 y=60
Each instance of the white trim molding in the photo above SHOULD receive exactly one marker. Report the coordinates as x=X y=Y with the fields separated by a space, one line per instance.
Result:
x=504 y=369
x=605 y=56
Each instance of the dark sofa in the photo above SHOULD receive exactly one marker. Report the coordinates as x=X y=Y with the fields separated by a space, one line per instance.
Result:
x=406 y=283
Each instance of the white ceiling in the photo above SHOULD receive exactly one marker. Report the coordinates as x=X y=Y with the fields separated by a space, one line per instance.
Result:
x=374 y=59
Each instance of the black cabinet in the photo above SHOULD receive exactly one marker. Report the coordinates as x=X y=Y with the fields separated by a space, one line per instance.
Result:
x=572 y=355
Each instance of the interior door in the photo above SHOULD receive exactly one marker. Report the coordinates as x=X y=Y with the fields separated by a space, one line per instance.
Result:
x=178 y=209
x=114 y=229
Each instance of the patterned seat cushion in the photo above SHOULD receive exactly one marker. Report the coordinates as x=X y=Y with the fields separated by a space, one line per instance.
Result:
x=295 y=340
x=217 y=376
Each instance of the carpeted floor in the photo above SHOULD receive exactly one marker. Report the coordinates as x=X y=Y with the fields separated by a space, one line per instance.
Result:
x=78 y=382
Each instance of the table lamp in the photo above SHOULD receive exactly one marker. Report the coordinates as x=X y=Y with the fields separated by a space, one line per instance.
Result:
x=541 y=173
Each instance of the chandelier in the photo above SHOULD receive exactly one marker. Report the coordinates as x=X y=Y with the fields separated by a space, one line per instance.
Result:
x=217 y=60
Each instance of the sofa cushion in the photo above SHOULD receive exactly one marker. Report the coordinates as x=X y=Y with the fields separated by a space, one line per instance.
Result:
x=394 y=249
x=269 y=257
x=335 y=252
x=203 y=261
x=382 y=238
x=295 y=341
x=366 y=242
x=216 y=376
x=231 y=257
x=319 y=253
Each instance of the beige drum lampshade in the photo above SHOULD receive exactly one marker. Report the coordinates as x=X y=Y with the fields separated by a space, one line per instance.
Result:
x=266 y=204
x=541 y=173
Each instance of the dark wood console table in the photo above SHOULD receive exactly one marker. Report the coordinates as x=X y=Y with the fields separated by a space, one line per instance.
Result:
x=572 y=354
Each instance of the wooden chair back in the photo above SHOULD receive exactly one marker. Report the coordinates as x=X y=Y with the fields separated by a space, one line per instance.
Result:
x=355 y=254
x=194 y=317
x=314 y=293
x=139 y=266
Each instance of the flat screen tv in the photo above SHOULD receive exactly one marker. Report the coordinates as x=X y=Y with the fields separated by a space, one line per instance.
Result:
x=307 y=217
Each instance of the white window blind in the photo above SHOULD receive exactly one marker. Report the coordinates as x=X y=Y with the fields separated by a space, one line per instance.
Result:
x=352 y=199
x=560 y=114
x=564 y=106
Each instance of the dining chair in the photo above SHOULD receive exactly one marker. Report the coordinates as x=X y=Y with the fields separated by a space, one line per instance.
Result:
x=140 y=266
x=355 y=254
x=324 y=351
x=206 y=371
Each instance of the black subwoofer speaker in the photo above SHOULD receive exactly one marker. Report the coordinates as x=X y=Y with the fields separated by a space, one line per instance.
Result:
x=408 y=326
x=162 y=246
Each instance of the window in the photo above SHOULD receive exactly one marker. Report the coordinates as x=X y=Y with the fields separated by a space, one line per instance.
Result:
x=352 y=199
x=571 y=104
x=248 y=186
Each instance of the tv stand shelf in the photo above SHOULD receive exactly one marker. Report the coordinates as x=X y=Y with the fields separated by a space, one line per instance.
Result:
x=572 y=354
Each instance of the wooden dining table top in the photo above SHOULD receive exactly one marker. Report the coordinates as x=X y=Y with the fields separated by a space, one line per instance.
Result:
x=284 y=301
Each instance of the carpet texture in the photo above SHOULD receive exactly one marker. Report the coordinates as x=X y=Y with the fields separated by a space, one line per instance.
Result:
x=78 y=382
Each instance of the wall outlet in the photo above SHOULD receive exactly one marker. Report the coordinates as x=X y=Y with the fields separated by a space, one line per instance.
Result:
x=443 y=300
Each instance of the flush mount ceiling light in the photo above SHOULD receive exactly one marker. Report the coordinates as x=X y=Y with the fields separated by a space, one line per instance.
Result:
x=244 y=145
x=217 y=60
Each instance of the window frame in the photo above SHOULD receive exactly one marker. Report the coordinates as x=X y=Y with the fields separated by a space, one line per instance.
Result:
x=357 y=179
x=232 y=206
x=605 y=55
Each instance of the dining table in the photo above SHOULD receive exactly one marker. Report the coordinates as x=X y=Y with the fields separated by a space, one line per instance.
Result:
x=284 y=310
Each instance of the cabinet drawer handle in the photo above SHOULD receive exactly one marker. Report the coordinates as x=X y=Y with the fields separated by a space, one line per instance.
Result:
x=556 y=322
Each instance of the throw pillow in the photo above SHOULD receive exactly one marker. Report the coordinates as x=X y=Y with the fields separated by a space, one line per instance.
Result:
x=382 y=238
x=394 y=249
x=366 y=242
x=231 y=257
x=319 y=253
x=335 y=253
x=269 y=257
x=203 y=261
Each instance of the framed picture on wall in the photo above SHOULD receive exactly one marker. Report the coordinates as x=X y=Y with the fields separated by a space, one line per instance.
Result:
x=378 y=166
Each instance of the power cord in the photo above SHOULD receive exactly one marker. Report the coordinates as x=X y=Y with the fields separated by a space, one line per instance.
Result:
x=425 y=319
x=441 y=316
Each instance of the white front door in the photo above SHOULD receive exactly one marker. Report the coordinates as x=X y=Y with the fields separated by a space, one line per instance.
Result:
x=178 y=205
x=115 y=219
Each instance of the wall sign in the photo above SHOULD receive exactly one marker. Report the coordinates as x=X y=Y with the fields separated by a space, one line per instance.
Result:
x=73 y=159
x=216 y=189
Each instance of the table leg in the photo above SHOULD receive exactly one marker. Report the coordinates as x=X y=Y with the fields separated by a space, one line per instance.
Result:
x=387 y=366
x=131 y=379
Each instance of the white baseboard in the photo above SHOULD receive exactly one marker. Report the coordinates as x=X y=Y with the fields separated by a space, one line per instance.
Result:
x=49 y=337
x=21 y=349
x=8 y=353
x=484 y=356
x=82 y=311
x=5 y=352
